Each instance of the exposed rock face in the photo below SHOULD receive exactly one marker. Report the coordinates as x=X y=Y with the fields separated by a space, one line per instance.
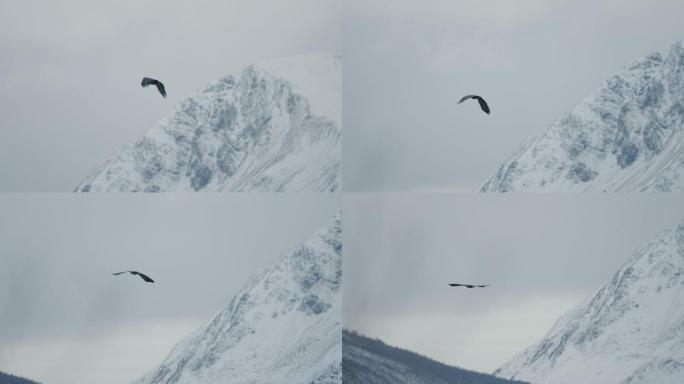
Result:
x=275 y=128
x=627 y=136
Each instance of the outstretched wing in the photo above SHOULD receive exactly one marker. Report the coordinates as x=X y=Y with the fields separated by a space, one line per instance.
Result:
x=146 y=81
x=118 y=273
x=483 y=104
x=468 y=285
x=161 y=89
x=144 y=277
x=464 y=98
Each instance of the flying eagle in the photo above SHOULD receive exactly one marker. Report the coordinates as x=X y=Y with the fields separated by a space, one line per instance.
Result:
x=483 y=103
x=147 y=81
x=468 y=285
x=142 y=275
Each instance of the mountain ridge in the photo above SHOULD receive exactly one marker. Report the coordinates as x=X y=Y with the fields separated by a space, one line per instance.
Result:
x=626 y=136
x=371 y=361
x=630 y=331
x=6 y=378
x=284 y=326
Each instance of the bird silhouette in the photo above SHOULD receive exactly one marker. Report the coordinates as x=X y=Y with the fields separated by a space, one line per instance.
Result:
x=147 y=81
x=142 y=275
x=468 y=285
x=483 y=103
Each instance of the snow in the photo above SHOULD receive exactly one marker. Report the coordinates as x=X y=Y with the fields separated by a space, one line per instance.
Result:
x=261 y=131
x=630 y=331
x=627 y=136
x=283 y=327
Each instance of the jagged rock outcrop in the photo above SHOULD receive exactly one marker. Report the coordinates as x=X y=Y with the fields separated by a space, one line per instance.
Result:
x=627 y=136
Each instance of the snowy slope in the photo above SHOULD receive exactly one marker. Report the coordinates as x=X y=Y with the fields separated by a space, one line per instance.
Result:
x=626 y=136
x=283 y=327
x=370 y=361
x=630 y=331
x=277 y=127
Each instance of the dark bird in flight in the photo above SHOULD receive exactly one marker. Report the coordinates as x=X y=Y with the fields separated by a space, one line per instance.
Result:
x=142 y=275
x=468 y=285
x=147 y=81
x=483 y=103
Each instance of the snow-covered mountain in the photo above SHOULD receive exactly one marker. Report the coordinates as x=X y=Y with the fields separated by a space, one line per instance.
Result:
x=370 y=361
x=627 y=136
x=630 y=331
x=277 y=127
x=283 y=327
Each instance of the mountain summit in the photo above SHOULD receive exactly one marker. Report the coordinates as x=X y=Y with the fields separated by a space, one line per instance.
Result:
x=630 y=331
x=283 y=327
x=627 y=136
x=276 y=128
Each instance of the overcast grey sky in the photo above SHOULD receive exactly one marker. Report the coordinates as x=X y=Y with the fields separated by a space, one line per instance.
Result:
x=541 y=253
x=407 y=63
x=64 y=319
x=70 y=71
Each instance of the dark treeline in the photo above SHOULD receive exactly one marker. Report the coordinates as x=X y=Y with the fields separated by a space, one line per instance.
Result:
x=380 y=367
